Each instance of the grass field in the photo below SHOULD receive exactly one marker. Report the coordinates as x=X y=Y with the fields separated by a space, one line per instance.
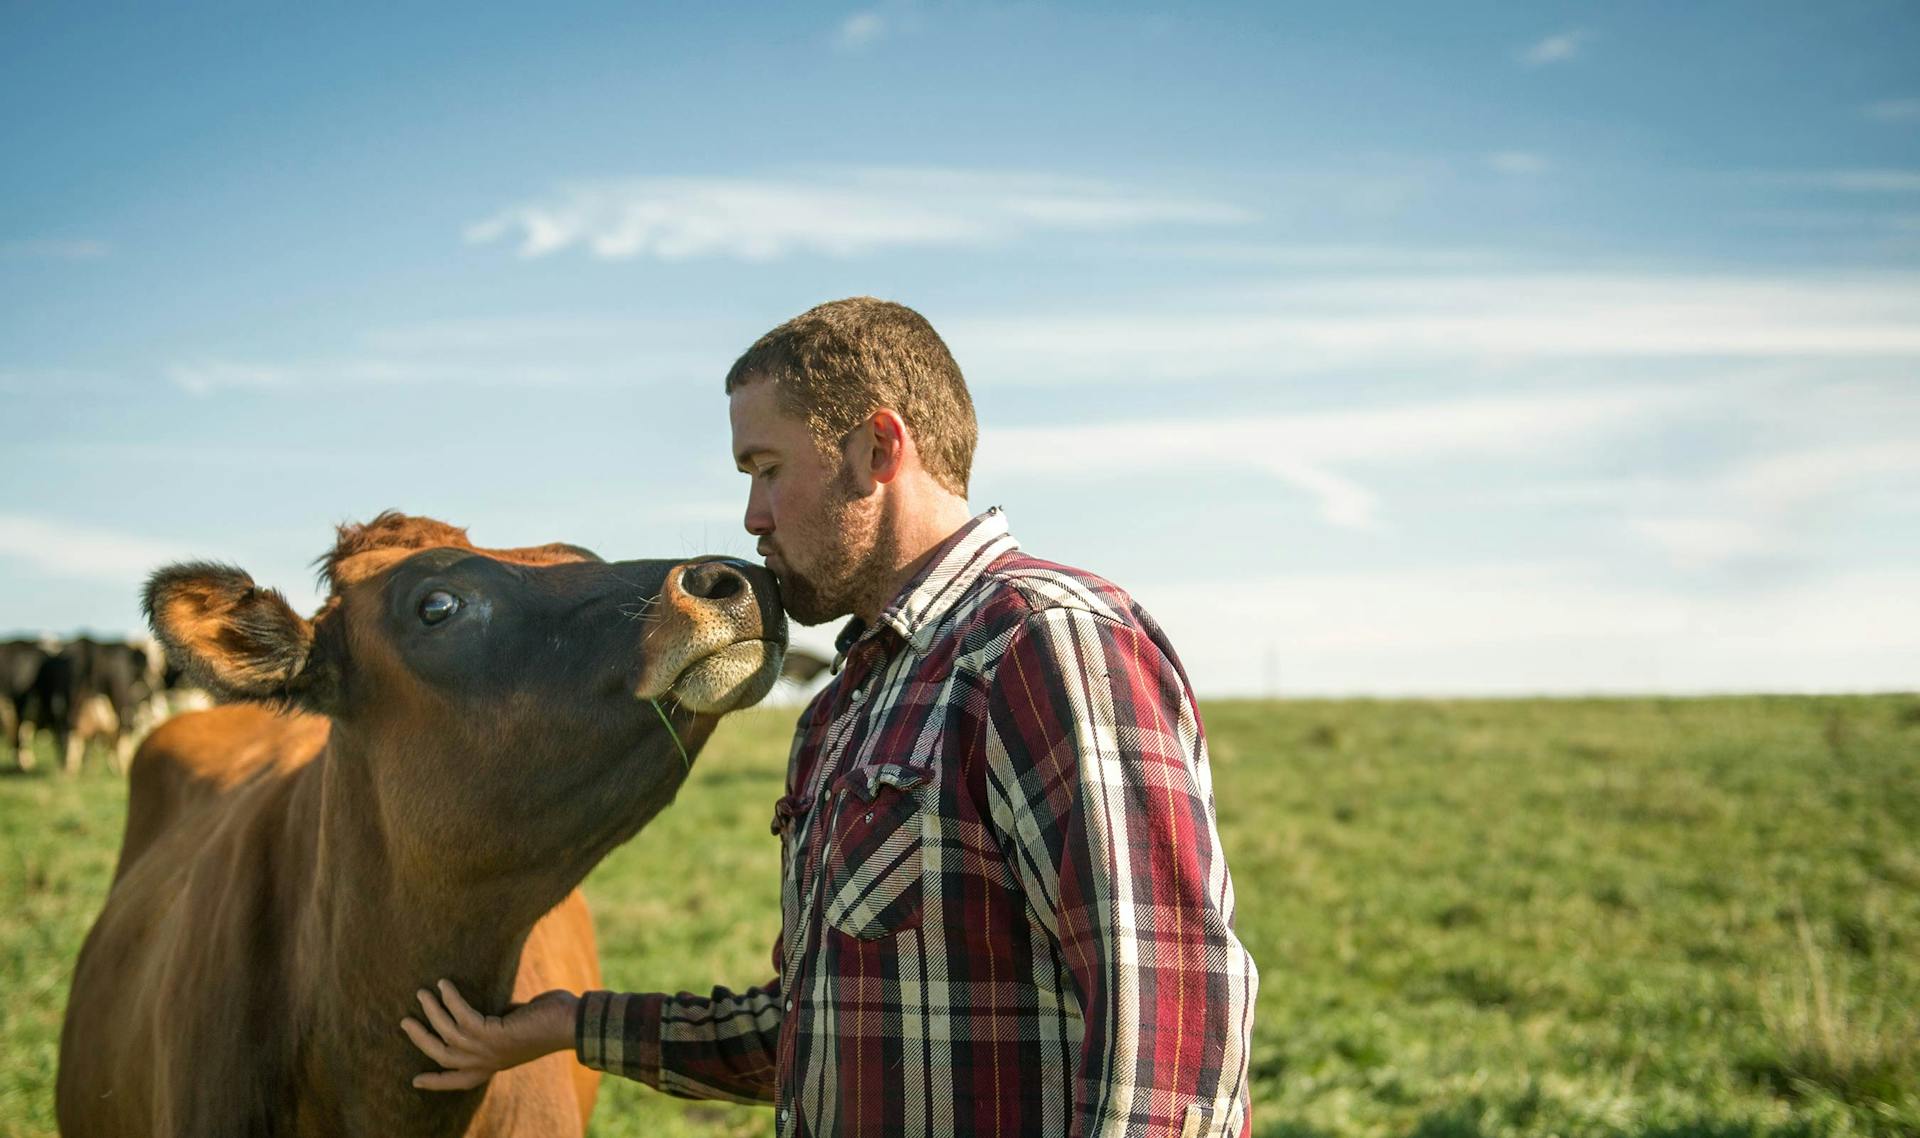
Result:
x=1609 y=917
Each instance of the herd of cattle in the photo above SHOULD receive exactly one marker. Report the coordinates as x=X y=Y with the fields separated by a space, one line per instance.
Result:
x=84 y=692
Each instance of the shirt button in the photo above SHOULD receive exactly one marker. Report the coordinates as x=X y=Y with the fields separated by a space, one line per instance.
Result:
x=789 y=1005
x=859 y=694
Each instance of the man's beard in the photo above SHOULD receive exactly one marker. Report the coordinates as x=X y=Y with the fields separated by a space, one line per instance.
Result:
x=853 y=564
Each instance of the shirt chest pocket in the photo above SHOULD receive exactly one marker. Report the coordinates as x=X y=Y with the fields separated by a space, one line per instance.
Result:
x=873 y=871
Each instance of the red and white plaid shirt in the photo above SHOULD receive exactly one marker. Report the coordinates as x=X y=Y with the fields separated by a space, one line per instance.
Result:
x=1004 y=905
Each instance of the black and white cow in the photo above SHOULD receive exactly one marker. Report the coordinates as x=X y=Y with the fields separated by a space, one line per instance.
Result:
x=20 y=663
x=90 y=690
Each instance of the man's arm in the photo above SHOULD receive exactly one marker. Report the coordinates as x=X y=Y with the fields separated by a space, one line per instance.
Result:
x=1096 y=775
x=720 y=1046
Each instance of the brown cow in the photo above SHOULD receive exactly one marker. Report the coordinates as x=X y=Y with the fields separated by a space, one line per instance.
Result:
x=408 y=786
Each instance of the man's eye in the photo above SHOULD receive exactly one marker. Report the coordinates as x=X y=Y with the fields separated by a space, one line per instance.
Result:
x=765 y=471
x=438 y=606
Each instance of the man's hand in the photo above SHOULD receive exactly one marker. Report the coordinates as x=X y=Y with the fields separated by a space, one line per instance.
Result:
x=472 y=1047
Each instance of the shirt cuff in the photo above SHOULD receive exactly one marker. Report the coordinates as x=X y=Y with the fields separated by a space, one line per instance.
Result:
x=619 y=1032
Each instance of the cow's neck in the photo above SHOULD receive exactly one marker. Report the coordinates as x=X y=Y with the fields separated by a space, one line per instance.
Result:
x=379 y=928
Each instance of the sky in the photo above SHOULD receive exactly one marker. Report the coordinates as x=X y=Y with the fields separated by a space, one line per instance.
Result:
x=1377 y=350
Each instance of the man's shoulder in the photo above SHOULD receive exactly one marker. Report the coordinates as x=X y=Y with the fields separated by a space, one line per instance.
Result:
x=1017 y=585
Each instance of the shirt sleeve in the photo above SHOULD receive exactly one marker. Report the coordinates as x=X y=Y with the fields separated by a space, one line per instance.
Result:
x=718 y=1046
x=1099 y=782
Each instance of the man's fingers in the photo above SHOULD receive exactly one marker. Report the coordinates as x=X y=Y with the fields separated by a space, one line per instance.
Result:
x=429 y=1043
x=463 y=1013
x=441 y=1021
x=450 y=1080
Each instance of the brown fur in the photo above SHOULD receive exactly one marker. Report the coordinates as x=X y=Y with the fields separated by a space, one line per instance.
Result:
x=229 y=636
x=362 y=551
x=223 y=809
x=272 y=911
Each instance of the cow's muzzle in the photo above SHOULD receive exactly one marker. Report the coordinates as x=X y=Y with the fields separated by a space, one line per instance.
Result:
x=716 y=639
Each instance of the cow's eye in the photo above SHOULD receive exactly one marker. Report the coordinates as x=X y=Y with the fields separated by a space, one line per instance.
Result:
x=438 y=606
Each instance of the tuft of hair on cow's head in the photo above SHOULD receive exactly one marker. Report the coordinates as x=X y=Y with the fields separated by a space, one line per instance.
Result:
x=363 y=550
x=230 y=636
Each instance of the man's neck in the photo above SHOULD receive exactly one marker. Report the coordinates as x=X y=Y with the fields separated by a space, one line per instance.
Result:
x=919 y=526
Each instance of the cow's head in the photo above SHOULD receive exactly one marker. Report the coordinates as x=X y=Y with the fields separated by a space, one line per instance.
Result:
x=508 y=706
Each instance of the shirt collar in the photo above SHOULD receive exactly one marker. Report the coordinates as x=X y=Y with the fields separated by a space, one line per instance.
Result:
x=948 y=575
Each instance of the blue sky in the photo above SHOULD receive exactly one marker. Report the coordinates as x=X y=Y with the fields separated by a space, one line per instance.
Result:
x=1492 y=348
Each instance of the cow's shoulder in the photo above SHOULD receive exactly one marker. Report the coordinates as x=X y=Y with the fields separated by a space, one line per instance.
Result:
x=201 y=757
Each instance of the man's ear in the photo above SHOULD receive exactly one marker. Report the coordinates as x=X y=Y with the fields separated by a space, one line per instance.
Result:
x=885 y=442
x=234 y=639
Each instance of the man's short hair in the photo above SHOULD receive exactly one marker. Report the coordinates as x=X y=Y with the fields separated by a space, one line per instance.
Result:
x=836 y=364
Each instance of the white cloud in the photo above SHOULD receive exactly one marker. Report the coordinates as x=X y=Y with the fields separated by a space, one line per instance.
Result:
x=509 y=333
x=1778 y=505
x=83 y=551
x=1542 y=628
x=839 y=214
x=1784 y=458
x=1844 y=222
x=1797 y=478
x=210 y=377
x=1343 y=257
x=1310 y=325
x=1893 y=110
x=1309 y=451
x=1708 y=542
x=1556 y=48
x=55 y=249
x=1518 y=163
x=1786 y=469
x=860 y=30
x=1854 y=181
x=530 y=350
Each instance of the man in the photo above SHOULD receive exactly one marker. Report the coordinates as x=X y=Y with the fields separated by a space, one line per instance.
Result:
x=1004 y=905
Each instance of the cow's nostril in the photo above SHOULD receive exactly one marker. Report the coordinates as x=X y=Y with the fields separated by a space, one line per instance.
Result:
x=713 y=581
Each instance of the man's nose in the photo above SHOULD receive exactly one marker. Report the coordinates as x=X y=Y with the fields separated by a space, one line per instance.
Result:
x=759 y=520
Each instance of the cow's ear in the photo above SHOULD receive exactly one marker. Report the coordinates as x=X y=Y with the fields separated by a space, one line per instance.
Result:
x=229 y=636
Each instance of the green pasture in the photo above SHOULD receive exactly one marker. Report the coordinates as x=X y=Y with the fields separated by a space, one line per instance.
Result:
x=1649 y=917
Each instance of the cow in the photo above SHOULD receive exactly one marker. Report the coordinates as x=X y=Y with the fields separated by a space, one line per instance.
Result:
x=20 y=663
x=407 y=786
x=800 y=677
x=802 y=667
x=82 y=674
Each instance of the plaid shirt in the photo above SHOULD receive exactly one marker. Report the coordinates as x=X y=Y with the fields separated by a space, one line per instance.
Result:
x=1004 y=905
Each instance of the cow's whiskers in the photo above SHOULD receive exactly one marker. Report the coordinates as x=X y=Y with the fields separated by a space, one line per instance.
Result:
x=640 y=611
